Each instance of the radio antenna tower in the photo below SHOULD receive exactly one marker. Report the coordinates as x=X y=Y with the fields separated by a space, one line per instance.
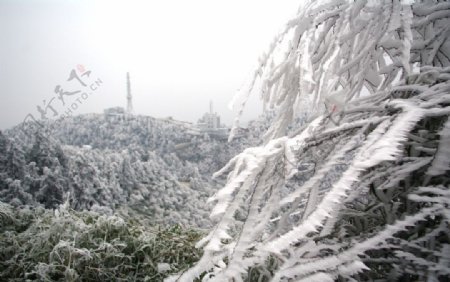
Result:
x=129 y=97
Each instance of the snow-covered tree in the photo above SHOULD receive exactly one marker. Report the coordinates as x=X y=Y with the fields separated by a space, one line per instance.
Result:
x=15 y=162
x=360 y=192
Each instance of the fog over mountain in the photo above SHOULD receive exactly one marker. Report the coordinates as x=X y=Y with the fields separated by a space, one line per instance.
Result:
x=180 y=54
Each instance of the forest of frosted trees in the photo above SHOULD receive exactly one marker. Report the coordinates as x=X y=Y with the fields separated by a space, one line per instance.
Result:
x=345 y=178
x=96 y=198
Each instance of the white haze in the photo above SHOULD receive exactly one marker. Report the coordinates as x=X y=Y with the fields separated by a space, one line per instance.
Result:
x=180 y=54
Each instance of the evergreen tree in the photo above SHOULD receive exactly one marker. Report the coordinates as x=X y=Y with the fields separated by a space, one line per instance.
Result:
x=51 y=192
x=4 y=146
x=16 y=162
x=41 y=153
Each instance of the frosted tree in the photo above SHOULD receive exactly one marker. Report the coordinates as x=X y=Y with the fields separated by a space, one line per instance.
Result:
x=360 y=192
x=16 y=162
x=4 y=145
x=51 y=193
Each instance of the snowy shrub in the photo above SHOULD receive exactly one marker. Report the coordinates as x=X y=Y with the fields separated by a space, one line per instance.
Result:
x=65 y=245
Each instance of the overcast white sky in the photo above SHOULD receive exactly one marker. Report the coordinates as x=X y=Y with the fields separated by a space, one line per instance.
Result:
x=180 y=54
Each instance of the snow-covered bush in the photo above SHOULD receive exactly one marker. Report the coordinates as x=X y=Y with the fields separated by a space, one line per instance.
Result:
x=65 y=245
x=360 y=193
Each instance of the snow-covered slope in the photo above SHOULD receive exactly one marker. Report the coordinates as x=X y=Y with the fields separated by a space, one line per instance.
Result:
x=158 y=168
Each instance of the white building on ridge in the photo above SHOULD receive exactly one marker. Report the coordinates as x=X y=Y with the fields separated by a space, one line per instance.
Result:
x=210 y=123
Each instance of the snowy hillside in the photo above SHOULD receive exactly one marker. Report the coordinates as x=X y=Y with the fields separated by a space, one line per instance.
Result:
x=161 y=169
x=164 y=137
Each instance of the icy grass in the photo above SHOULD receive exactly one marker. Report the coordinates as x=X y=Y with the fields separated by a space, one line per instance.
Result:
x=65 y=245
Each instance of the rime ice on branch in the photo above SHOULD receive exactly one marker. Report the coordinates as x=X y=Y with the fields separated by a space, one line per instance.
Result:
x=361 y=192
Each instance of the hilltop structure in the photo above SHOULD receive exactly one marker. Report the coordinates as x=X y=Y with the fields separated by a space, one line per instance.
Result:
x=209 y=121
x=116 y=113
x=129 y=97
x=210 y=124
